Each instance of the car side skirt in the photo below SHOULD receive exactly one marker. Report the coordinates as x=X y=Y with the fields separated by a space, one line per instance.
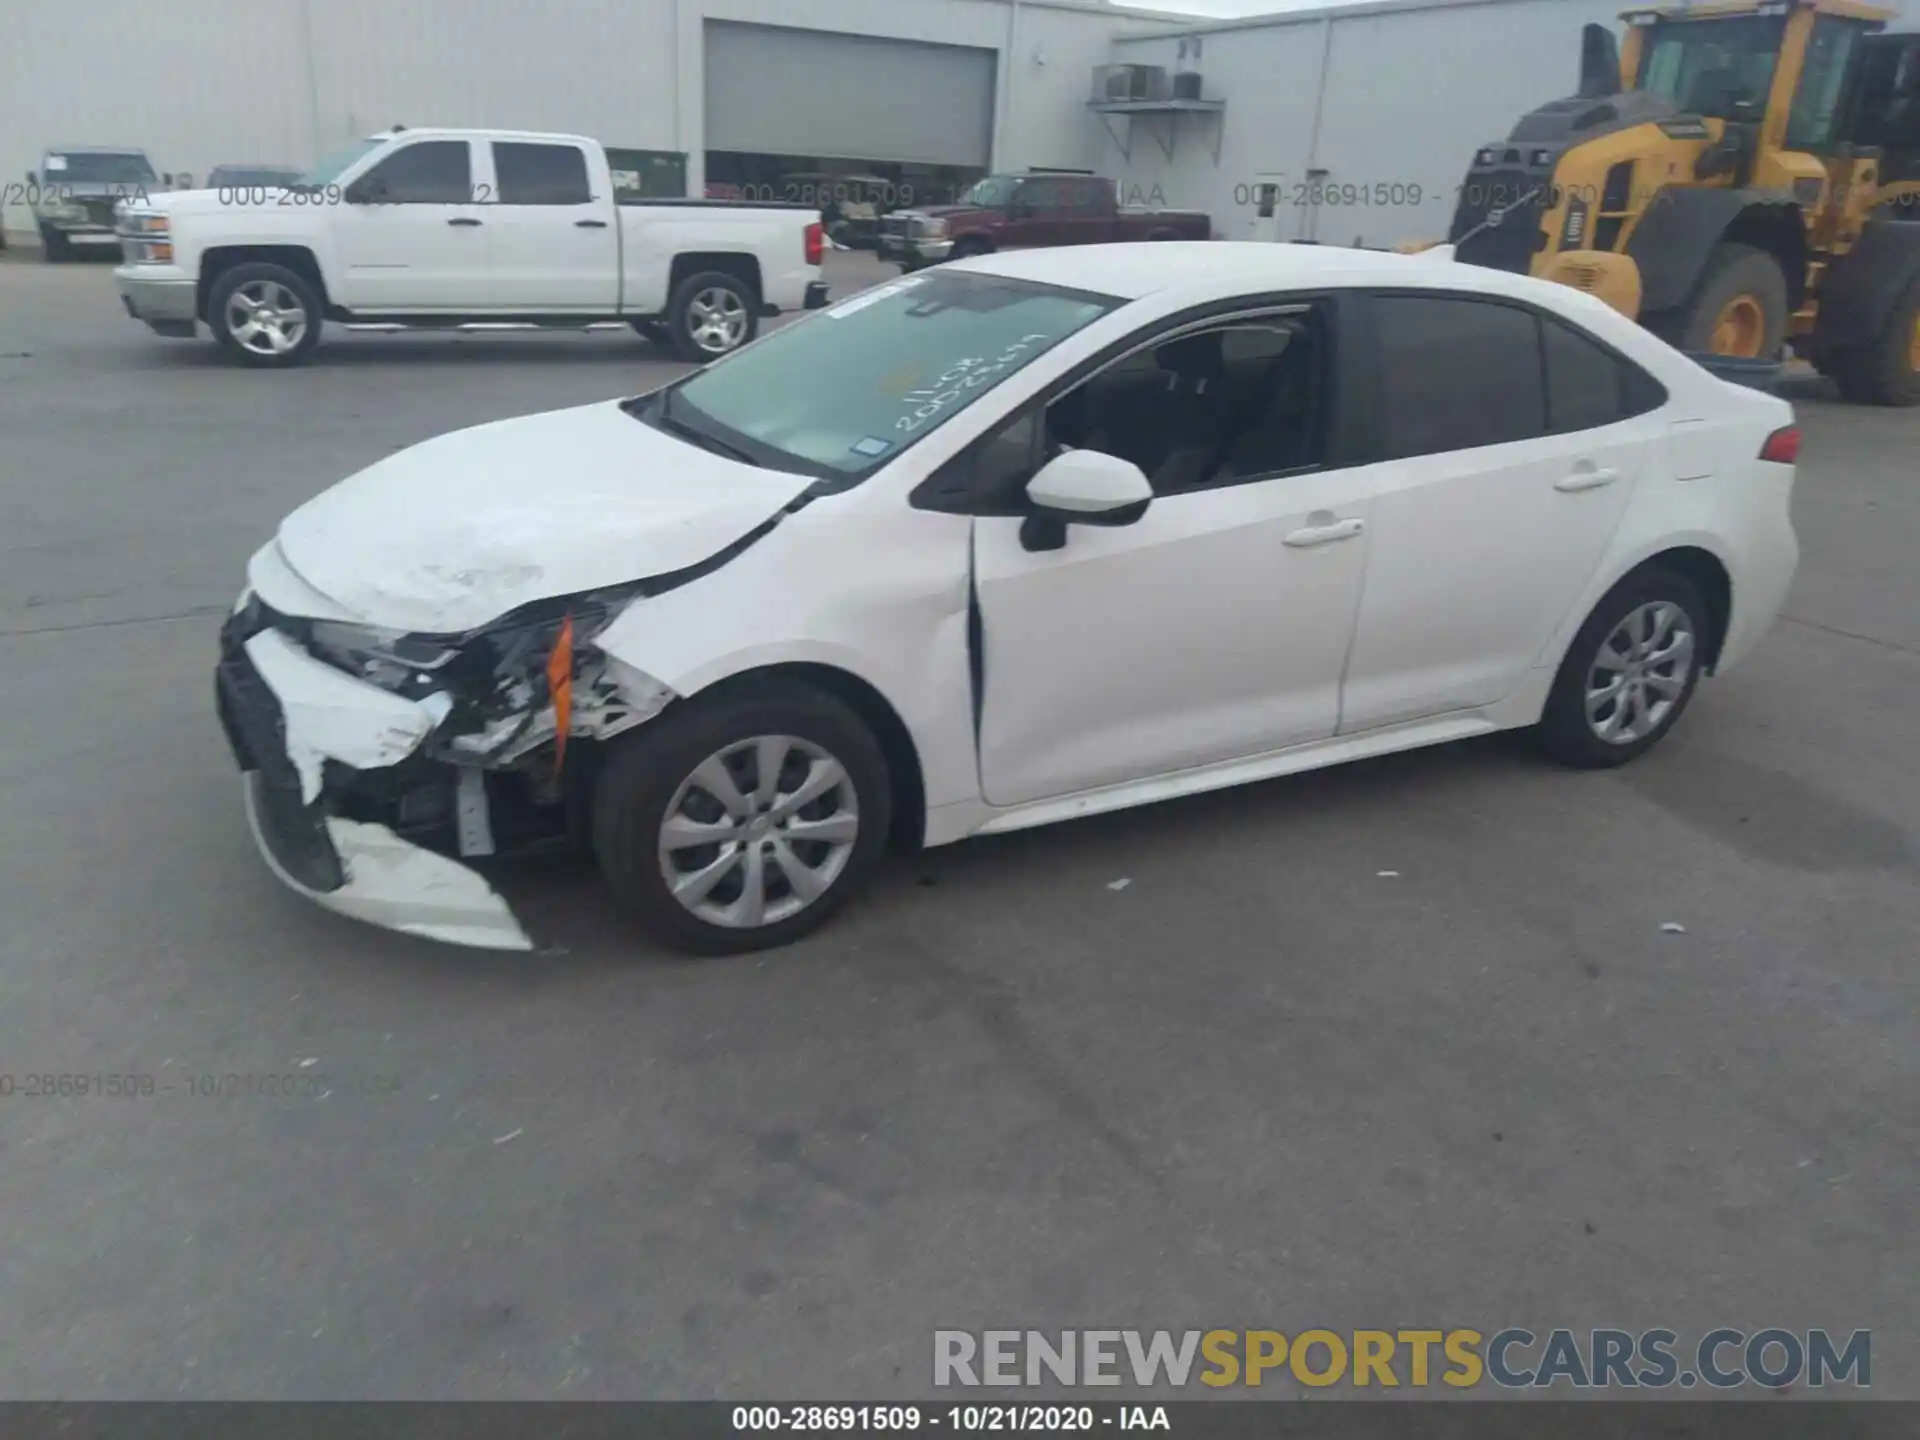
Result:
x=952 y=823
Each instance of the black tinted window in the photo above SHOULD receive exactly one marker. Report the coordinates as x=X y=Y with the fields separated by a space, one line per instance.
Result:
x=1456 y=374
x=432 y=172
x=1042 y=194
x=1587 y=386
x=540 y=174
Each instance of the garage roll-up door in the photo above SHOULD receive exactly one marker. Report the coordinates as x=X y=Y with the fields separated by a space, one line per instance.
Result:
x=813 y=92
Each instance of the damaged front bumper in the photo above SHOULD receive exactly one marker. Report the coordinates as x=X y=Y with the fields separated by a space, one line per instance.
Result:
x=358 y=798
x=357 y=866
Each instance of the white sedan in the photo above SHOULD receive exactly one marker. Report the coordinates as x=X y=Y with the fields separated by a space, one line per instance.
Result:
x=1025 y=538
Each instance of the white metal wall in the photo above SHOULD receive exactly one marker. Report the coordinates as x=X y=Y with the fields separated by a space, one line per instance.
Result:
x=1408 y=96
x=199 y=82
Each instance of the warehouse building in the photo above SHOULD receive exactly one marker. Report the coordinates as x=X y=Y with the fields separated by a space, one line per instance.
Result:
x=1347 y=122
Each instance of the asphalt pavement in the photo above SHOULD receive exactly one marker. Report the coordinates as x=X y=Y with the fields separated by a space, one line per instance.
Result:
x=1409 y=1043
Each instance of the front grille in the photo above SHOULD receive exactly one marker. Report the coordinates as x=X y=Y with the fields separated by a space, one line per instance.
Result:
x=1519 y=198
x=894 y=225
x=256 y=732
x=99 y=212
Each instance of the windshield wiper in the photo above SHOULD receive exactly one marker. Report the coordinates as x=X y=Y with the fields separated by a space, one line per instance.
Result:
x=663 y=416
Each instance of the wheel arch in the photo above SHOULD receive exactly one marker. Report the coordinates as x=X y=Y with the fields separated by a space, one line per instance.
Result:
x=742 y=265
x=217 y=261
x=1674 y=239
x=904 y=772
x=1707 y=573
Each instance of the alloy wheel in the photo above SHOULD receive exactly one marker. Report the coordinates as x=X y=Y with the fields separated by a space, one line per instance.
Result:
x=266 y=317
x=1640 y=673
x=717 y=320
x=758 y=832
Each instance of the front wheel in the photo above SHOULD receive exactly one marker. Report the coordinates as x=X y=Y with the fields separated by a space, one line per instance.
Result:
x=53 y=246
x=264 y=316
x=1739 y=309
x=1629 y=673
x=742 y=821
x=712 y=314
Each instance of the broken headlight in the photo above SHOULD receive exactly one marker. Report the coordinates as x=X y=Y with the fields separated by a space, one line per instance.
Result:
x=391 y=659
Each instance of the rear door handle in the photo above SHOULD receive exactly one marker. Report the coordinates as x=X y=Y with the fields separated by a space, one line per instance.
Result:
x=1325 y=534
x=1586 y=480
x=590 y=224
x=463 y=220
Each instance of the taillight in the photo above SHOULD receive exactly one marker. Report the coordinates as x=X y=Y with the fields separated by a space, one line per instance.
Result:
x=816 y=242
x=1783 y=446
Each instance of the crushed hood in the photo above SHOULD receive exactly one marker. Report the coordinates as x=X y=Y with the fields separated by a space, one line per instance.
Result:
x=452 y=533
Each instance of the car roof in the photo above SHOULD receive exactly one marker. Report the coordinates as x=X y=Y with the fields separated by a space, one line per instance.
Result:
x=1135 y=270
x=93 y=150
x=455 y=132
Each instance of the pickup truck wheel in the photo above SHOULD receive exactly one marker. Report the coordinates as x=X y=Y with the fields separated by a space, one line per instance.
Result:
x=263 y=315
x=712 y=314
x=53 y=245
x=967 y=249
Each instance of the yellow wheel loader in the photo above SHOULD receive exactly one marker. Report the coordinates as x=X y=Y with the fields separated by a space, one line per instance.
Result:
x=1740 y=175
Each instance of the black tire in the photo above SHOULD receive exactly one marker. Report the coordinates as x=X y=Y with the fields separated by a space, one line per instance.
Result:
x=1888 y=371
x=1734 y=271
x=1565 y=732
x=654 y=332
x=680 y=313
x=968 y=248
x=54 y=248
x=220 y=321
x=643 y=776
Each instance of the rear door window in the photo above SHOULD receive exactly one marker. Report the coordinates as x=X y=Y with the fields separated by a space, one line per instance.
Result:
x=1456 y=373
x=540 y=174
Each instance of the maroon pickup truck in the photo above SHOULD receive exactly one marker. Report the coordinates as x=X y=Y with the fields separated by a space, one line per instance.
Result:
x=1006 y=212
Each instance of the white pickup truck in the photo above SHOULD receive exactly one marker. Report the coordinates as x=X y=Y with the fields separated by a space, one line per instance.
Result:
x=461 y=229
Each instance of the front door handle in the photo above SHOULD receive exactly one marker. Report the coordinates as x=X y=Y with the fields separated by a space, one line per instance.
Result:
x=1586 y=480
x=1325 y=534
x=463 y=220
x=590 y=224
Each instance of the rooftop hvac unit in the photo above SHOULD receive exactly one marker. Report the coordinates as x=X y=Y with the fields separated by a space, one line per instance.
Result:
x=1131 y=82
x=1186 y=85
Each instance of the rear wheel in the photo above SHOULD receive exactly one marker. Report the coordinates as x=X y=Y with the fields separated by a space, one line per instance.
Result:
x=1739 y=309
x=1887 y=372
x=1629 y=673
x=712 y=314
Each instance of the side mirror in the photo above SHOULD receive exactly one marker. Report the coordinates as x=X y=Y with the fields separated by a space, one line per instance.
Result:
x=366 y=192
x=1082 y=487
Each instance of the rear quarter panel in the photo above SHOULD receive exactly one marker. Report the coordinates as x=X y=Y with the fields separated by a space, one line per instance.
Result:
x=651 y=235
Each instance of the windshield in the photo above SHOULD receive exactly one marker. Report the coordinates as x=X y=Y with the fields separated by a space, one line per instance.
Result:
x=130 y=168
x=844 y=391
x=992 y=193
x=329 y=169
x=1707 y=67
